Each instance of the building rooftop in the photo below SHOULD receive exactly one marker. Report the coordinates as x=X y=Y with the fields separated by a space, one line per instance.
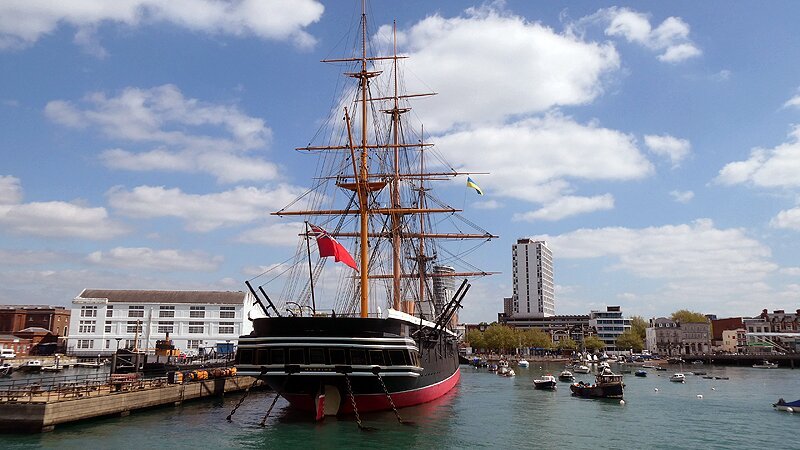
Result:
x=164 y=297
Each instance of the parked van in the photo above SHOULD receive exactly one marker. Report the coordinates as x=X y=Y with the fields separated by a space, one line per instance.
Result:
x=7 y=353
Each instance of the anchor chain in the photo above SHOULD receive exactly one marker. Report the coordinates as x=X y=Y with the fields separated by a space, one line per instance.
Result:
x=376 y=371
x=274 y=400
x=355 y=409
x=241 y=400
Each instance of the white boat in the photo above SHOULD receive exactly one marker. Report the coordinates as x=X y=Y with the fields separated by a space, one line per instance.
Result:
x=603 y=365
x=581 y=369
x=523 y=363
x=566 y=375
x=507 y=373
x=782 y=405
x=546 y=382
x=765 y=365
x=33 y=365
x=51 y=368
x=678 y=378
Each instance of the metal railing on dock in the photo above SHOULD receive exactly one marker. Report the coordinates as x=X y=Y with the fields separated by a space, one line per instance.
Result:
x=72 y=387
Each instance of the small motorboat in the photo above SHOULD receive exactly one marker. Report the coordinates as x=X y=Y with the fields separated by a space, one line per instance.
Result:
x=782 y=405
x=523 y=363
x=546 y=382
x=765 y=365
x=607 y=385
x=677 y=377
x=55 y=368
x=493 y=367
x=662 y=369
x=6 y=370
x=697 y=362
x=581 y=369
x=506 y=373
x=33 y=365
x=566 y=375
x=602 y=366
x=641 y=373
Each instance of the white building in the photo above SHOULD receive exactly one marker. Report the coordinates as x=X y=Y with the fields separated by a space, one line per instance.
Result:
x=532 y=270
x=610 y=324
x=104 y=320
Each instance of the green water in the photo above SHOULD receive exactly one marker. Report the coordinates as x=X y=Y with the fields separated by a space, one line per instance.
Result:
x=483 y=411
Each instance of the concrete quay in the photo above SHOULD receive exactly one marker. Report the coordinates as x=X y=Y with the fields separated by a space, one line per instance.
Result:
x=29 y=411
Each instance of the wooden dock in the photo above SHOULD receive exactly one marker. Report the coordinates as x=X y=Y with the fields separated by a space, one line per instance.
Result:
x=33 y=409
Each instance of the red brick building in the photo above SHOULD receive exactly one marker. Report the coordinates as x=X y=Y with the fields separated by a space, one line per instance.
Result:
x=14 y=318
x=720 y=325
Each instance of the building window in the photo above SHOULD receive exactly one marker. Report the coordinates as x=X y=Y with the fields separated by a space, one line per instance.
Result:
x=131 y=343
x=86 y=326
x=193 y=343
x=85 y=343
x=226 y=328
x=166 y=311
x=136 y=311
x=110 y=311
x=165 y=327
x=197 y=312
x=227 y=312
x=108 y=328
x=108 y=343
x=88 y=311
x=196 y=327
x=134 y=327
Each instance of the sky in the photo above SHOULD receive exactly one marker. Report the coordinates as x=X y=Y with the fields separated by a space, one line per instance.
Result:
x=654 y=145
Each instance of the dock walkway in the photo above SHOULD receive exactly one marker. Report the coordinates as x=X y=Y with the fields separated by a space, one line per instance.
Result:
x=33 y=408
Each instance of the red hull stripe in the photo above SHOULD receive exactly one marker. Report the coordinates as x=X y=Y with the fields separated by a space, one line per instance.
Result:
x=379 y=402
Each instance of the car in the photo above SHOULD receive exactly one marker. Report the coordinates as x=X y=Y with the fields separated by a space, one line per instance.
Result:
x=7 y=353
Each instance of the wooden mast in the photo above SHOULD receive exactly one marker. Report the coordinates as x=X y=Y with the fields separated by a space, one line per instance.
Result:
x=396 y=268
x=363 y=197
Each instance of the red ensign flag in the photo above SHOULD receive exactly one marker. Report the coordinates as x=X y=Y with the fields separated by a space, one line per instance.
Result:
x=328 y=246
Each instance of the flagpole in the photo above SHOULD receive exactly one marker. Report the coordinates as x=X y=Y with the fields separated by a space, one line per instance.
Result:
x=310 y=273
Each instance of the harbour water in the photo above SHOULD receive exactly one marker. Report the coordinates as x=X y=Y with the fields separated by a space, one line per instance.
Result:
x=484 y=411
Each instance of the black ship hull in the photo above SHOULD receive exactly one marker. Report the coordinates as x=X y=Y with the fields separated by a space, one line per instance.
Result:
x=326 y=364
x=600 y=390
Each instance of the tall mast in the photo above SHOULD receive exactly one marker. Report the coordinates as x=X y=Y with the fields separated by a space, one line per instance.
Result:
x=396 y=269
x=363 y=197
x=422 y=263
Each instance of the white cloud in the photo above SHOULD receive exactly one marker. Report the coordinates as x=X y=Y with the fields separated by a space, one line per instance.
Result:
x=671 y=37
x=276 y=234
x=789 y=218
x=31 y=257
x=537 y=160
x=526 y=67
x=770 y=168
x=23 y=22
x=487 y=204
x=667 y=146
x=54 y=218
x=682 y=196
x=793 y=102
x=568 y=206
x=159 y=260
x=201 y=213
x=792 y=271
x=10 y=190
x=696 y=253
x=190 y=135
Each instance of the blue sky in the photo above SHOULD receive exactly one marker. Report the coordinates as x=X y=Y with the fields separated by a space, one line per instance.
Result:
x=654 y=145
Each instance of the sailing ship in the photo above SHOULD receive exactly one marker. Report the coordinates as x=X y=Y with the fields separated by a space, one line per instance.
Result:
x=388 y=339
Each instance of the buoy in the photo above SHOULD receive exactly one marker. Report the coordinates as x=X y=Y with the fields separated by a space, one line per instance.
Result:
x=790 y=409
x=655 y=389
x=699 y=395
x=622 y=402
x=713 y=389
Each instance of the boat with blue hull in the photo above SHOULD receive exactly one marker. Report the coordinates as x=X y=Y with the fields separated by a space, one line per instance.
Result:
x=388 y=339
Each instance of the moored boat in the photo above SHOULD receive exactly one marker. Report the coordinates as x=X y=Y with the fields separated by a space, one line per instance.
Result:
x=546 y=382
x=765 y=365
x=32 y=365
x=566 y=375
x=385 y=339
x=607 y=385
x=641 y=373
x=677 y=377
x=782 y=405
x=523 y=363
x=581 y=369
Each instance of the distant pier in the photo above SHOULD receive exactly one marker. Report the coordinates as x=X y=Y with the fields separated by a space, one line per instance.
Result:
x=30 y=408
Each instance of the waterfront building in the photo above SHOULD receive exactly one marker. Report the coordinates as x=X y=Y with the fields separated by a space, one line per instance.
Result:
x=20 y=346
x=14 y=318
x=718 y=326
x=668 y=337
x=610 y=324
x=734 y=341
x=104 y=320
x=532 y=271
x=558 y=327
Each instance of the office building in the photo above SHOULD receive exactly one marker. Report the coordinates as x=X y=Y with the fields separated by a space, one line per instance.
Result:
x=532 y=271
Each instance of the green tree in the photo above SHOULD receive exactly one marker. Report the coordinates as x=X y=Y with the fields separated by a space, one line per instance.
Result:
x=593 y=343
x=686 y=316
x=476 y=340
x=638 y=326
x=535 y=338
x=567 y=343
x=630 y=340
x=500 y=337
